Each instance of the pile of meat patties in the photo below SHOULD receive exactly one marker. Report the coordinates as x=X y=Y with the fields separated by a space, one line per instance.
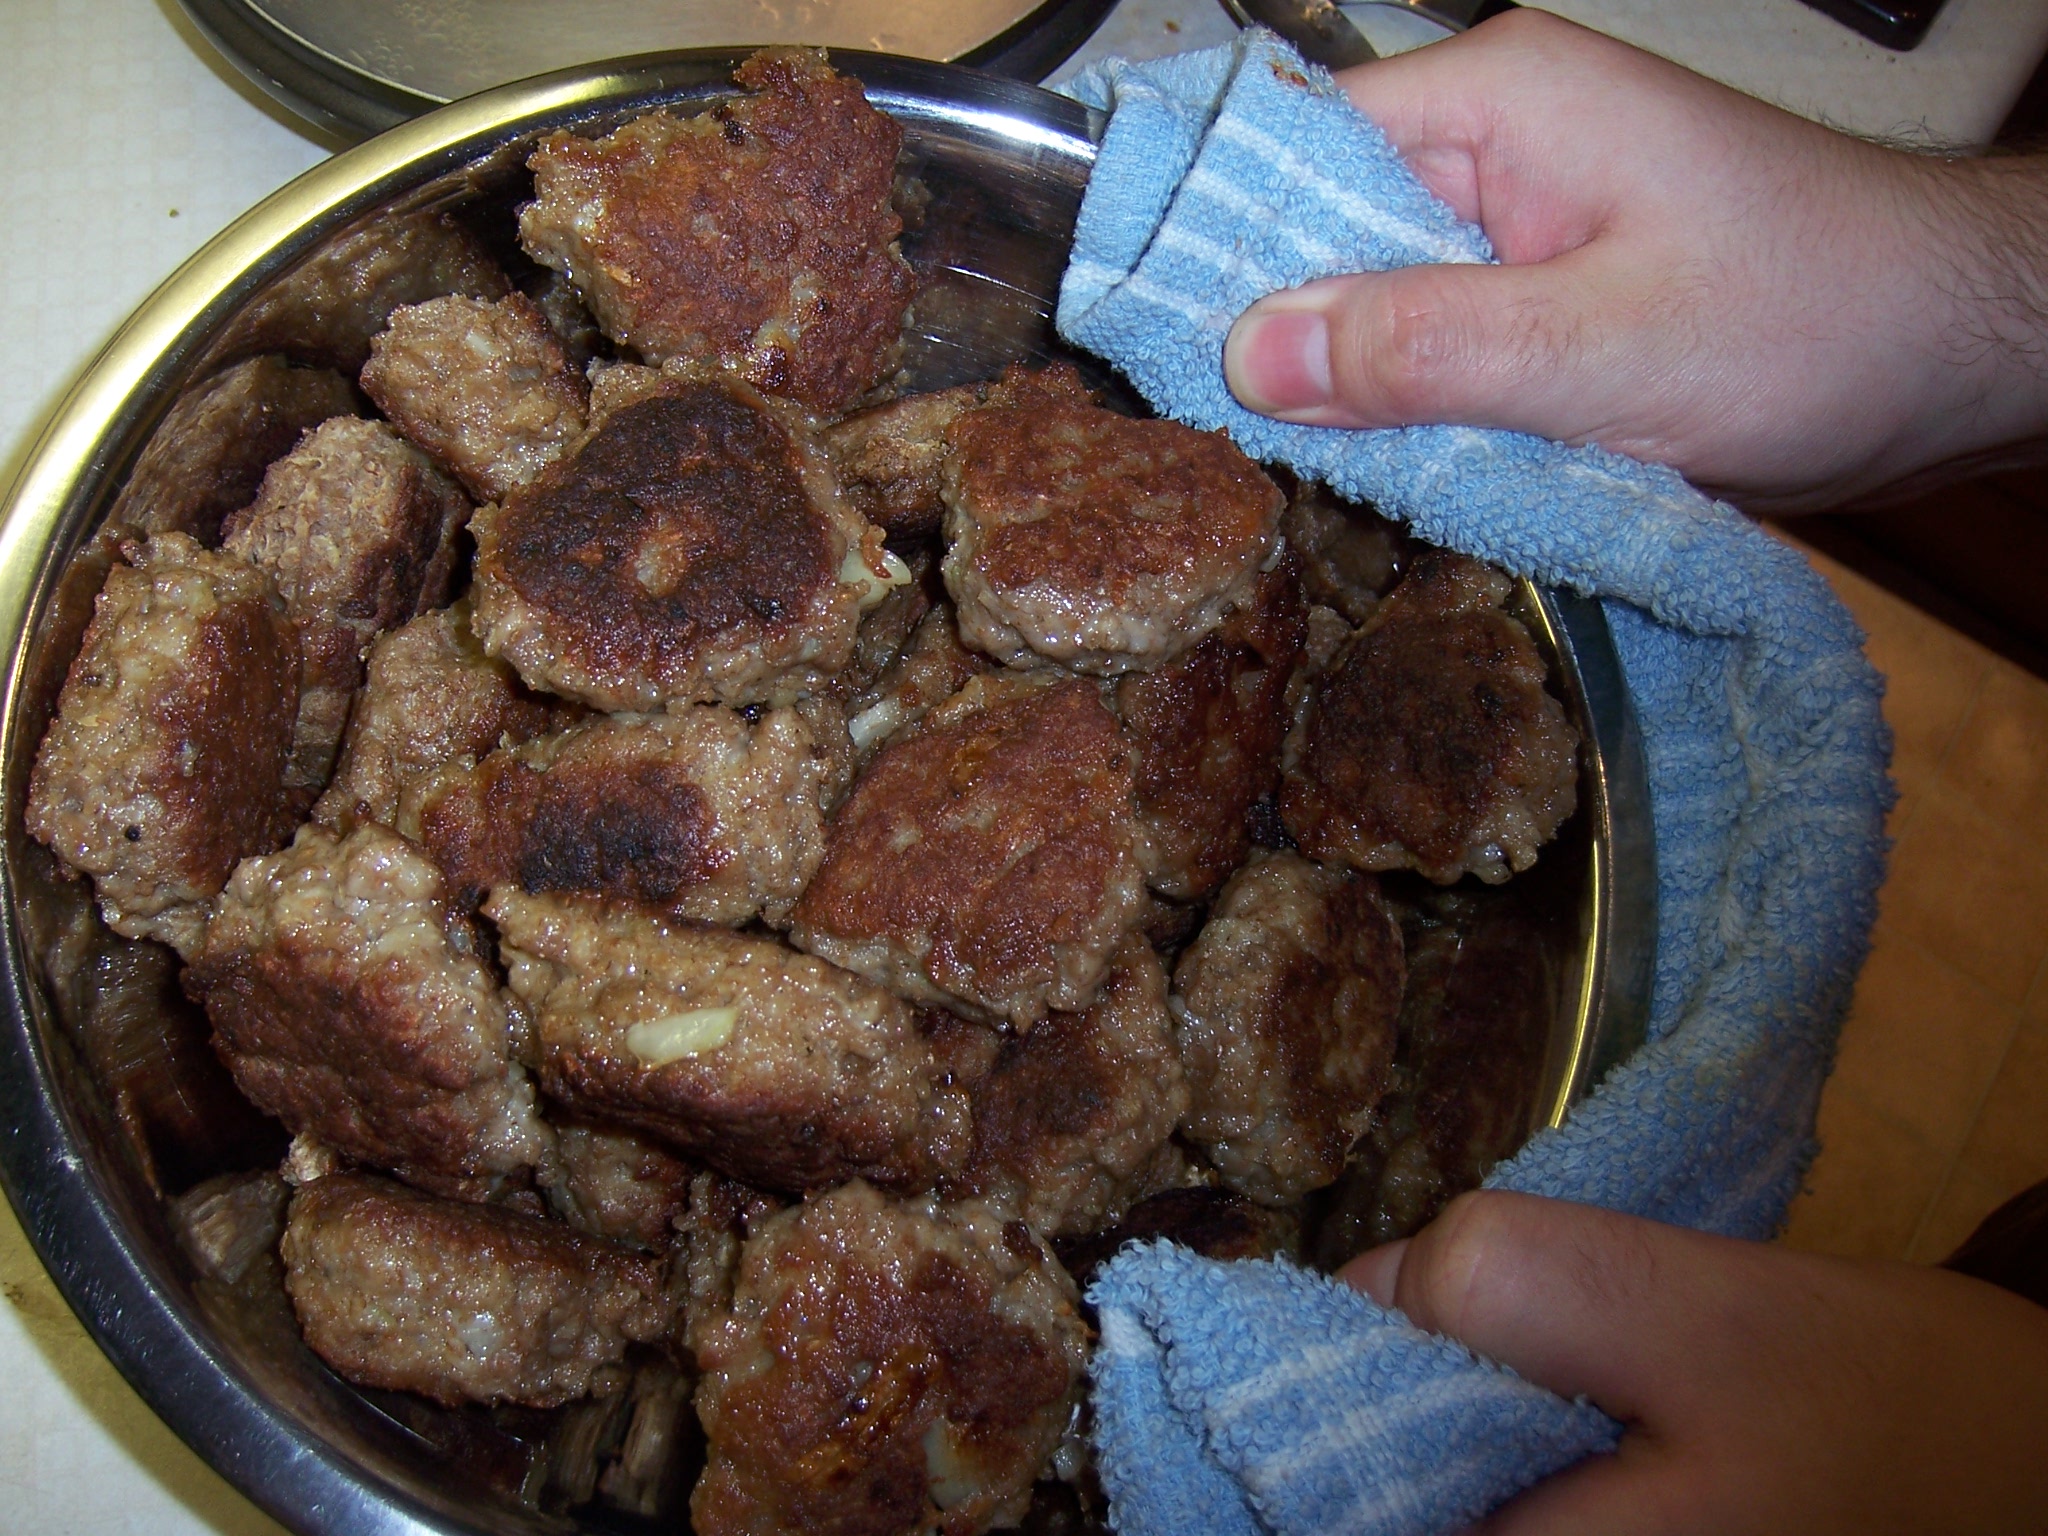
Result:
x=822 y=850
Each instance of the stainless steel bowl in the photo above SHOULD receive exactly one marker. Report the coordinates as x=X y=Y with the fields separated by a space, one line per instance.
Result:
x=1006 y=165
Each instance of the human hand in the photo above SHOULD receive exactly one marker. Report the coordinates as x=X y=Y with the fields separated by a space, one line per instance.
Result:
x=1786 y=315
x=1762 y=1390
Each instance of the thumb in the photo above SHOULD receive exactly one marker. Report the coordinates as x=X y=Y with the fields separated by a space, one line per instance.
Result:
x=1496 y=346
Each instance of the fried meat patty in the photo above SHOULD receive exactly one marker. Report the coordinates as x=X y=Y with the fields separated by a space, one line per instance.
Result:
x=348 y=1000
x=770 y=1066
x=1100 y=542
x=207 y=457
x=1072 y=1121
x=462 y=1303
x=1208 y=728
x=1431 y=743
x=703 y=813
x=692 y=549
x=430 y=695
x=986 y=860
x=760 y=233
x=357 y=528
x=619 y=1184
x=931 y=667
x=486 y=388
x=1286 y=1004
x=1349 y=554
x=164 y=766
x=885 y=1366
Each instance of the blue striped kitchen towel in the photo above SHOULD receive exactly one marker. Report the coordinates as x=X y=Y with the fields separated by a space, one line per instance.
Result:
x=1258 y=1397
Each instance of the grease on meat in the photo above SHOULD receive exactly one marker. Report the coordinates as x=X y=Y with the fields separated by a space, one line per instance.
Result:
x=463 y=1303
x=986 y=860
x=165 y=764
x=1286 y=1005
x=885 y=1366
x=1431 y=743
x=759 y=233
x=771 y=1066
x=348 y=1000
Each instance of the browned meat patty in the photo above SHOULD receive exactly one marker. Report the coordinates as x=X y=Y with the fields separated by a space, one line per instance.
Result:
x=1102 y=543
x=885 y=1367
x=932 y=666
x=723 y=1213
x=1431 y=744
x=207 y=457
x=759 y=233
x=620 y=1185
x=430 y=695
x=693 y=549
x=771 y=1066
x=891 y=457
x=326 y=310
x=986 y=860
x=1071 y=1122
x=347 y=998
x=165 y=765
x=1217 y=1223
x=1349 y=554
x=486 y=388
x=463 y=1303
x=357 y=528
x=702 y=813
x=1286 y=1005
x=1208 y=728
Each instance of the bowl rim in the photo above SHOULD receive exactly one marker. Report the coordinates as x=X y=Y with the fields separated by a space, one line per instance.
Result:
x=76 y=1219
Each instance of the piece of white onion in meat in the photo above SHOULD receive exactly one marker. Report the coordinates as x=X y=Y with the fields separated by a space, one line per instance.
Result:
x=676 y=1035
x=854 y=571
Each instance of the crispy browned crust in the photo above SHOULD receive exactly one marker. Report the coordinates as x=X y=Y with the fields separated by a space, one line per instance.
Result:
x=1286 y=1005
x=207 y=457
x=1097 y=541
x=702 y=813
x=620 y=1184
x=823 y=1076
x=1431 y=743
x=1208 y=728
x=688 y=551
x=165 y=764
x=986 y=860
x=357 y=528
x=885 y=1367
x=458 y=1302
x=347 y=999
x=430 y=695
x=759 y=233
x=1071 y=1122
x=486 y=388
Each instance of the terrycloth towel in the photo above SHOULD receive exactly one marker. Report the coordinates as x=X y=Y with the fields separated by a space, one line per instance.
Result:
x=1258 y=1397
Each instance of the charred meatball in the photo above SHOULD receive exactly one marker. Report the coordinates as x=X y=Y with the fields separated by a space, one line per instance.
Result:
x=1208 y=728
x=885 y=1367
x=1105 y=544
x=702 y=813
x=208 y=456
x=1286 y=1005
x=462 y=1303
x=620 y=1185
x=987 y=860
x=357 y=529
x=347 y=998
x=693 y=549
x=759 y=233
x=1071 y=1122
x=165 y=765
x=486 y=388
x=771 y=1066
x=430 y=695
x=1431 y=744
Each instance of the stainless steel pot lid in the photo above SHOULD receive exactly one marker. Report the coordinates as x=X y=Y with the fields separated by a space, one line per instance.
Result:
x=357 y=67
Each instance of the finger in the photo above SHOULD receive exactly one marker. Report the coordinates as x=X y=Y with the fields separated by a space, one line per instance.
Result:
x=1376 y=1272
x=1638 y=1490
x=1577 y=1299
x=1515 y=347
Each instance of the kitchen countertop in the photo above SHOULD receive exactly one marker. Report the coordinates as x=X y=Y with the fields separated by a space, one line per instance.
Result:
x=135 y=144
